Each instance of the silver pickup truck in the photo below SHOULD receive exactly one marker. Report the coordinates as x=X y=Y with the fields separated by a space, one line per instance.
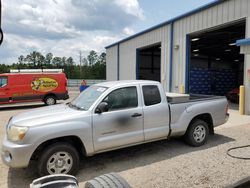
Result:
x=105 y=117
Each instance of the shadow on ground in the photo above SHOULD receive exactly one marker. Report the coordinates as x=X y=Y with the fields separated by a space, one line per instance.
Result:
x=20 y=107
x=23 y=106
x=120 y=160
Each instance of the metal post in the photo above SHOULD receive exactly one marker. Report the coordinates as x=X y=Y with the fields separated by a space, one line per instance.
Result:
x=242 y=100
x=182 y=89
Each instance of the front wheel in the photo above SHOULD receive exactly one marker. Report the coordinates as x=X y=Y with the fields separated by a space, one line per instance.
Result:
x=59 y=158
x=197 y=133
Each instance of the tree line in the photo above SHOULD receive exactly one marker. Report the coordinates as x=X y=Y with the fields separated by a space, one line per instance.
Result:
x=93 y=66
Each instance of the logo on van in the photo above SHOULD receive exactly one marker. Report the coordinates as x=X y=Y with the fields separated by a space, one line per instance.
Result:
x=44 y=84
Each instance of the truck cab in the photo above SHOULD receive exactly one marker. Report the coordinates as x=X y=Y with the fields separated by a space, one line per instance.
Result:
x=136 y=113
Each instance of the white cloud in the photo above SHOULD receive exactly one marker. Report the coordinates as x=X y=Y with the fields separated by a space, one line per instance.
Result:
x=65 y=27
x=128 y=31
x=131 y=7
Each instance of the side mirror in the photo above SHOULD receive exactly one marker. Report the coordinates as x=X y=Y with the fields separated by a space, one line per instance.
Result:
x=102 y=107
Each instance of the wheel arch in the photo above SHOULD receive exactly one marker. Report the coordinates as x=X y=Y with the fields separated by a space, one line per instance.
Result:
x=50 y=94
x=75 y=141
x=207 y=117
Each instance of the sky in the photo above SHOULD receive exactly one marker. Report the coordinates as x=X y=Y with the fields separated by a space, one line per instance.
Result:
x=65 y=27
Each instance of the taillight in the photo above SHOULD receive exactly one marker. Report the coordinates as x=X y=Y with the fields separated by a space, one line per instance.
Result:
x=66 y=85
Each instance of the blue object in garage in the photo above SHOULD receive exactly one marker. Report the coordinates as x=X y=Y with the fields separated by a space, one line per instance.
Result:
x=212 y=82
x=83 y=87
x=200 y=81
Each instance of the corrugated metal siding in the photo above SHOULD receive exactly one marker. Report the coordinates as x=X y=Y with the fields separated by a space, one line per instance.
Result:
x=111 y=68
x=245 y=49
x=226 y=12
x=128 y=53
x=247 y=67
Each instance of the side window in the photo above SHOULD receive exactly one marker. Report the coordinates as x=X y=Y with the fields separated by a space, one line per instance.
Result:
x=151 y=95
x=3 y=81
x=122 y=98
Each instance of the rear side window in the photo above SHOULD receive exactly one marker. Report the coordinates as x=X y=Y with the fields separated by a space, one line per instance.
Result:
x=122 y=98
x=3 y=81
x=151 y=95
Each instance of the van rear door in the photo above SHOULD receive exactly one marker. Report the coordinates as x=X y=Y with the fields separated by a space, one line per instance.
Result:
x=4 y=90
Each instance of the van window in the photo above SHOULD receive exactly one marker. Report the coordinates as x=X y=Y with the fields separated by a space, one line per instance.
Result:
x=3 y=81
x=151 y=95
x=122 y=98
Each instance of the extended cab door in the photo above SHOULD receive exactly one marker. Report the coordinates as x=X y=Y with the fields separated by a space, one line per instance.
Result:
x=123 y=123
x=4 y=90
x=156 y=112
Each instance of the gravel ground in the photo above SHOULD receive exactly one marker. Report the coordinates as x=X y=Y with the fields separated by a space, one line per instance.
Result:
x=159 y=164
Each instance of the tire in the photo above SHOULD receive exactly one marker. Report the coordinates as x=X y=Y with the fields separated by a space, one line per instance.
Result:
x=50 y=100
x=197 y=133
x=66 y=154
x=111 y=180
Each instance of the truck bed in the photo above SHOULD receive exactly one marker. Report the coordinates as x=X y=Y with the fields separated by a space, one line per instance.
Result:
x=183 y=108
x=176 y=98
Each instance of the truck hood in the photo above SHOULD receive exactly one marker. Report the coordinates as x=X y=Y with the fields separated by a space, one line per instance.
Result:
x=46 y=115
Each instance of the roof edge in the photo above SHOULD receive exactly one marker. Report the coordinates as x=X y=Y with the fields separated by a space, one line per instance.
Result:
x=201 y=8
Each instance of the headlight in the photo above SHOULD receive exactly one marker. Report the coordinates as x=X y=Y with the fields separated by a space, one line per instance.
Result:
x=15 y=133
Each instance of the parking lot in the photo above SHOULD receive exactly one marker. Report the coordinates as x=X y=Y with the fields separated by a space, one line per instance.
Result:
x=160 y=164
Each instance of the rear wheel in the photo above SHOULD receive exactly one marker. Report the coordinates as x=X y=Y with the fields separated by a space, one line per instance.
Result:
x=197 y=133
x=59 y=158
x=50 y=100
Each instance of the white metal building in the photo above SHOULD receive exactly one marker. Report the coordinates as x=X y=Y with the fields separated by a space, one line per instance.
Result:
x=197 y=50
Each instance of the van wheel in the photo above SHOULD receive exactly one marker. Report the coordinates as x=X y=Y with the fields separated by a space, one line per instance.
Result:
x=197 y=133
x=59 y=158
x=50 y=100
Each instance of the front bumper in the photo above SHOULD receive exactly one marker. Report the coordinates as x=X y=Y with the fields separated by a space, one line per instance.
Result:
x=62 y=96
x=16 y=155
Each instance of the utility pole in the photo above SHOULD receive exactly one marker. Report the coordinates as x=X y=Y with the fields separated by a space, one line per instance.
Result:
x=80 y=54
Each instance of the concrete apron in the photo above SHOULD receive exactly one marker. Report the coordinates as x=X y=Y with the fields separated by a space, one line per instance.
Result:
x=235 y=119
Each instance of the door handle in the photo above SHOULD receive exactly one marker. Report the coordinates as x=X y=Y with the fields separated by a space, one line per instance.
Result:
x=136 y=115
x=7 y=89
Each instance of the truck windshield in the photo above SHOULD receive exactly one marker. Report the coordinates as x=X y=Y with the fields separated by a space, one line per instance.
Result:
x=87 y=97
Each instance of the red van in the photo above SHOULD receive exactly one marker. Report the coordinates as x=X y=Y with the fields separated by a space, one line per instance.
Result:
x=22 y=86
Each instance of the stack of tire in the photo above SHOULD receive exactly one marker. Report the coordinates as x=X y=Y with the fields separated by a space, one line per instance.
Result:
x=111 y=180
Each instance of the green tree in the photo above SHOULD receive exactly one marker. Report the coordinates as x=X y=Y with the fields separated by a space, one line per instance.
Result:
x=48 y=59
x=21 y=59
x=92 y=57
x=57 y=62
x=94 y=65
x=35 y=58
x=70 y=61
x=102 y=58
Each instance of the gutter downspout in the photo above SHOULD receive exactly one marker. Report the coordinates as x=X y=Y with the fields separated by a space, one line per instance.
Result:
x=171 y=55
x=118 y=61
x=187 y=64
